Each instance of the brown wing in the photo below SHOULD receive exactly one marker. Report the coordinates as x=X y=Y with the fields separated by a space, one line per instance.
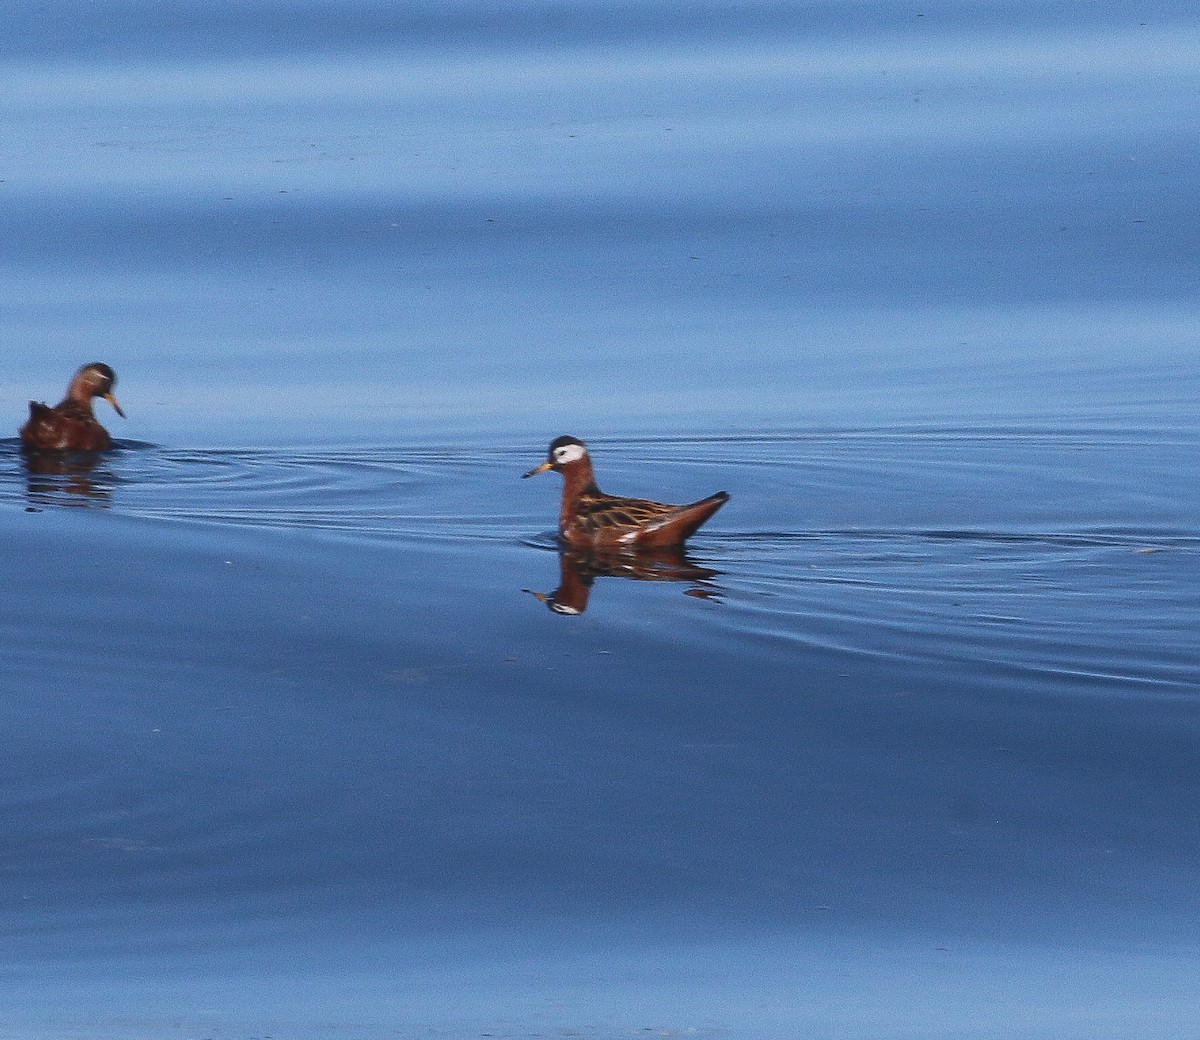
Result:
x=682 y=521
x=601 y=512
x=43 y=430
x=52 y=429
x=608 y=518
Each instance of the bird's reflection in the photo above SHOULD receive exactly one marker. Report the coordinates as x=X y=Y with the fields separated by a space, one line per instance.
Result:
x=67 y=479
x=579 y=568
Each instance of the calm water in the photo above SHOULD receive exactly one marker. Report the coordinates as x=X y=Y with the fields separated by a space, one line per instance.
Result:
x=904 y=747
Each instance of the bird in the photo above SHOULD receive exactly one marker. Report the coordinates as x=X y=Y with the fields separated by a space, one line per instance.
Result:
x=589 y=518
x=71 y=425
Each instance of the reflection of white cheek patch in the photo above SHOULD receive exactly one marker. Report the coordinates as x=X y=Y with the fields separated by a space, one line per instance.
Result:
x=569 y=453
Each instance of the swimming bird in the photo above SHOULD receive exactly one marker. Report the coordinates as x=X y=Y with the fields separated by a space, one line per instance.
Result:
x=590 y=518
x=71 y=425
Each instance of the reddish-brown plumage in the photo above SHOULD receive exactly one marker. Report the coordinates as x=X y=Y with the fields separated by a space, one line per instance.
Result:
x=71 y=424
x=590 y=518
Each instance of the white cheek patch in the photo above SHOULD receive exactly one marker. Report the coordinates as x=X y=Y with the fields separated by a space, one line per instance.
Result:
x=569 y=453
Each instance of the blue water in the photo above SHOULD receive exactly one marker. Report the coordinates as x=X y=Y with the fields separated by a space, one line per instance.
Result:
x=903 y=747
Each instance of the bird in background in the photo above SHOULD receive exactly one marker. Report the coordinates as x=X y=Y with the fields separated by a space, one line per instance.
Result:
x=71 y=425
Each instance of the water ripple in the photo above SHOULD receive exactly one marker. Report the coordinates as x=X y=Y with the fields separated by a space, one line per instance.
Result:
x=360 y=491
x=1029 y=595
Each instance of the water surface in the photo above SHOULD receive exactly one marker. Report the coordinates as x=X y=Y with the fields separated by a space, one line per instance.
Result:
x=903 y=746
